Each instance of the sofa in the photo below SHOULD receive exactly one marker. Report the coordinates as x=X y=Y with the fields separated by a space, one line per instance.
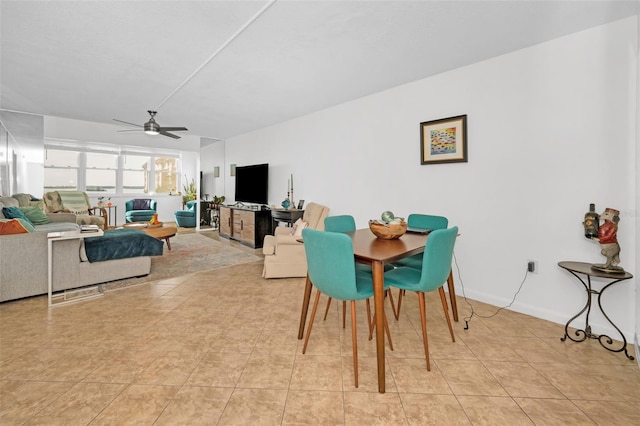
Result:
x=24 y=259
x=284 y=254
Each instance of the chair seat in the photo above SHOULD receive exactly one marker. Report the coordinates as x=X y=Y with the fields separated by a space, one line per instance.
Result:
x=404 y=277
x=139 y=215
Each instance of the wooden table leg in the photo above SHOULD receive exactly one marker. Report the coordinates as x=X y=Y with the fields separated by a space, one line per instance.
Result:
x=305 y=307
x=168 y=243
x=378 y=297
x=452 y=296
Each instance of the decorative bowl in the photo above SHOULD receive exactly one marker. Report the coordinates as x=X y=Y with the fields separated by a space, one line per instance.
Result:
x=388 y=231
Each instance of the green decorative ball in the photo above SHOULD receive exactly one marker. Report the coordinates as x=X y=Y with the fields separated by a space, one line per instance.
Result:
x=387 y=216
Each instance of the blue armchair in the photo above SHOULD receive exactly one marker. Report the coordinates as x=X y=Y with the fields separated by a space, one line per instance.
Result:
x=187 y=218
x=140 y=210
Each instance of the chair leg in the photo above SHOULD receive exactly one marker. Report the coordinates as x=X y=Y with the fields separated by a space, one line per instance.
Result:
x=423 y=320
x=344 y=314
x=354 y=340
x=326 y=311
x=396 y=313
x=369 y=322
x=386 y=328
x=393 y=305
x=445 y=307
x=452 y=296
x=313 y=315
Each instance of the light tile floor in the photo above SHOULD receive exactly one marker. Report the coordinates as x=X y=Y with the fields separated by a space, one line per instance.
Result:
x=220 y=348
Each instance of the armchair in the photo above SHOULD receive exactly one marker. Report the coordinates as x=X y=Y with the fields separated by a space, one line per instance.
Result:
x=140 y=210
x=284 y=255
x=77 y=203
x=187 y=218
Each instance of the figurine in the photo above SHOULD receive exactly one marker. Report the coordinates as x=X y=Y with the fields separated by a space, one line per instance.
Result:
x=607 y=237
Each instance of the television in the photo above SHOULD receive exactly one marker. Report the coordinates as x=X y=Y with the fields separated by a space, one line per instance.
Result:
x=252 y=184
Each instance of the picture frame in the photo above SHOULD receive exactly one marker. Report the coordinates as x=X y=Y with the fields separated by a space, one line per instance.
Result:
x=300 y=204
x=444 y=140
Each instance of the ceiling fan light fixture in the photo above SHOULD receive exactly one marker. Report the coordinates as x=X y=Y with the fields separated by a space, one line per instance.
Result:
x=151 y=127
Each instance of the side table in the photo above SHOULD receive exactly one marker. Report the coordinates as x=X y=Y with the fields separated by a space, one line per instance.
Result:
x=59 y=236
x=576 y=268
x=285 y=215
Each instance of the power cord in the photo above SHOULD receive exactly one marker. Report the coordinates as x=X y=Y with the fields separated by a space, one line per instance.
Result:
x=473 y=312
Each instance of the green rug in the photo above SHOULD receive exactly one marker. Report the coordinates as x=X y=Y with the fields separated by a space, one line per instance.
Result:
x=189 y=253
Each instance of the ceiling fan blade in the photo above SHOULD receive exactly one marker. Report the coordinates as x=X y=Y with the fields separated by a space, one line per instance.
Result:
x=172 y=129
x=126 y=122
x=171 y=135
x=132 y=130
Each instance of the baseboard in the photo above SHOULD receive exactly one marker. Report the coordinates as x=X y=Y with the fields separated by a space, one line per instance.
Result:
x=538 y=312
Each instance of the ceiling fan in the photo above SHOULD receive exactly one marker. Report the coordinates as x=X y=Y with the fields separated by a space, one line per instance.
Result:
x=151 y=127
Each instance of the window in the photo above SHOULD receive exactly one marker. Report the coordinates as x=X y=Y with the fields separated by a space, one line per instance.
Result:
x=166 y=174
x=61 y=170
x=135 y=177
x=101 y=172
x=101 y=168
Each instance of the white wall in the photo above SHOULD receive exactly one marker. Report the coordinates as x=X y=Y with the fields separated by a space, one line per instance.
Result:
x=212 y=156
x=550 y=131
x=63 y=128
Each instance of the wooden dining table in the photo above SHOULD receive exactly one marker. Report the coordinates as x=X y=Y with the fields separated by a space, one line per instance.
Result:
x=369 y=249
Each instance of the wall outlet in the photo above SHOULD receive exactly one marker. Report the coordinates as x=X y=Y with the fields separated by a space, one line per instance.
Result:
x=532 y=266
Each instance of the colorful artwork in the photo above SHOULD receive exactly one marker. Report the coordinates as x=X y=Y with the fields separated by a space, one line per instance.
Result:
x=443 y=141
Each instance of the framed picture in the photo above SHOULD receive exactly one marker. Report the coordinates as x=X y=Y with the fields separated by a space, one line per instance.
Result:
x=444 y=140
x=300 y=204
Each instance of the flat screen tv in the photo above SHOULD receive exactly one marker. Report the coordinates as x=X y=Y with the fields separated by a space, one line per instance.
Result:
x=252 y=184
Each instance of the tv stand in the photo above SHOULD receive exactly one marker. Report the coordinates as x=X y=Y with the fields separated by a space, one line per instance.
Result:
x=245 y=225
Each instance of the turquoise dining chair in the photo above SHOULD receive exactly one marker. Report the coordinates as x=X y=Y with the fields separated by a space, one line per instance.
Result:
x=332 y=271
x=346 y=223
x=425 y=221
x=435 y=268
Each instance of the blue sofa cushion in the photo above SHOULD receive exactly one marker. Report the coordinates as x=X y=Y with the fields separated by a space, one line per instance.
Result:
x=15 y=213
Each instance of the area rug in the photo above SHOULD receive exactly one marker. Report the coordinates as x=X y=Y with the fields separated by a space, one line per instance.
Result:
x=189 y=253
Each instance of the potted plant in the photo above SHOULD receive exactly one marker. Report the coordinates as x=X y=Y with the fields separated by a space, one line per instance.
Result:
x=190 y=192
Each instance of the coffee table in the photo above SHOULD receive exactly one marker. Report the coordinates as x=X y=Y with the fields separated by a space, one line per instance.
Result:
x=160 y=231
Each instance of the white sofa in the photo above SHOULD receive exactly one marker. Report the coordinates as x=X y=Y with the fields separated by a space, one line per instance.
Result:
x=24 y=257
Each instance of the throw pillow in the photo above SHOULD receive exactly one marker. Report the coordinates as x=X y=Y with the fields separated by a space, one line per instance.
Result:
x=14 y=213
x=142 y=204
x=35 y=215
x=10 y=227
x=298 y=226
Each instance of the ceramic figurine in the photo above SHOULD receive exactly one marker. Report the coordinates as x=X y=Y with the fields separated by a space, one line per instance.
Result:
x=607 y=237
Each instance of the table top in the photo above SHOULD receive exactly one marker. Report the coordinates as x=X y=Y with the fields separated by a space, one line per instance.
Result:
x=368 y=247
x=585 y=268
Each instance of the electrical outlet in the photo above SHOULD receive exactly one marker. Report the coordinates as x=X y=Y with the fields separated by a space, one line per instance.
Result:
x=532 y=266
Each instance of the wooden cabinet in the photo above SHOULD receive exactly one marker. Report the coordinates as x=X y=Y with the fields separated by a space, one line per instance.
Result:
x=225 y=222
x=247 y=226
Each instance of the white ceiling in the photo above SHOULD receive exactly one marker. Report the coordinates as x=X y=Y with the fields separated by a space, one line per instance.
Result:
x=99 y=60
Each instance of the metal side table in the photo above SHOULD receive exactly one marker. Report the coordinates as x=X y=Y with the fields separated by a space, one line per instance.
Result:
x=576 y=268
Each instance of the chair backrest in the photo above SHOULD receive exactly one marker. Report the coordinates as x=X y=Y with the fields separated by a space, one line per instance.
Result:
x=314 y=215
x=436 y=260
x=330 y=263
x=425 y=221
x=340 y=223
x=191 y=205
x=128 y=206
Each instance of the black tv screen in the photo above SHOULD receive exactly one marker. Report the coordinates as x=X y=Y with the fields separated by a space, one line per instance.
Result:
x=252 y=184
